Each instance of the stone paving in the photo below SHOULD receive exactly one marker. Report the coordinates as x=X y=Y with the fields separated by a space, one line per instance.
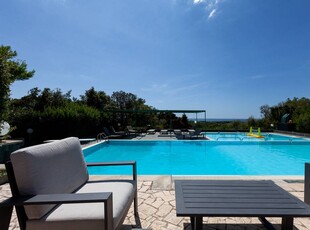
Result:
x=157 y=208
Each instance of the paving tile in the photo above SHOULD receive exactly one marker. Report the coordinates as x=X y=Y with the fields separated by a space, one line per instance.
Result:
x=172 y=218
x=172 y=227
x=299 y=187
x=157 y=211
x=148 y=210
x=158 y=202
x=164 y=210
x=143 y=195
x=148 y=183
x=159 y=225
x=144 y=188
x=149 y=200
x=305 y=222
x=299 y=195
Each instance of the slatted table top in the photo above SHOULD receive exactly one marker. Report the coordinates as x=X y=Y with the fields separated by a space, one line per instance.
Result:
x=236 y=198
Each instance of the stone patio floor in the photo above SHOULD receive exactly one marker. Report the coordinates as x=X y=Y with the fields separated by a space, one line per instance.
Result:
x=157 y=208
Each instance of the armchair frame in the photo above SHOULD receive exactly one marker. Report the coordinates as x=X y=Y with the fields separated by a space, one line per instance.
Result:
x=19 y=201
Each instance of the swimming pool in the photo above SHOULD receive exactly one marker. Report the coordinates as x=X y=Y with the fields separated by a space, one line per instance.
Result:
x=242 y=136
x=202 y=157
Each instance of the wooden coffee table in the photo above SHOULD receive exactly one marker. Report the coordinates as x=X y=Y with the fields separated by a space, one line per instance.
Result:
x=237 y=198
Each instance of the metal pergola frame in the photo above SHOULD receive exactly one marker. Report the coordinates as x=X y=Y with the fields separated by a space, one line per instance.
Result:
x=168 y=111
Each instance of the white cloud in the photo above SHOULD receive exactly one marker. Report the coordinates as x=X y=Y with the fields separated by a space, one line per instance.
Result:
x=212 y=14
x=198 y=1
x=211 y=6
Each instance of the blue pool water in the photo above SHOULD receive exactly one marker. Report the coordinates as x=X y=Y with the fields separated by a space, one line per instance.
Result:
x=202 y=157
x=242 y=136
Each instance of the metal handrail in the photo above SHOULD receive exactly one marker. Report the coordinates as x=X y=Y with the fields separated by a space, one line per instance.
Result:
x=101 y=137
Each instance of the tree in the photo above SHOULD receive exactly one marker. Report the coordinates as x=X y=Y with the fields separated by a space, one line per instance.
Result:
x=251 y=122
x=11 y=70
x=38 y=100
x=298 y=110
x=125 y=100
x=265 y=111
x=52 y=98
x=95 y=99
x=128 y=101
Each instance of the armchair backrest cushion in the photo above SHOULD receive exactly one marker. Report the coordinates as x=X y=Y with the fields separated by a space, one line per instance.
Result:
x=52 y=168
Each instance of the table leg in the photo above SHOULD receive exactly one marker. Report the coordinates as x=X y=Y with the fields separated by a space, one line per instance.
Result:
x=287 y=223
x=266 y=223
x=196 y=222
x=193 y=222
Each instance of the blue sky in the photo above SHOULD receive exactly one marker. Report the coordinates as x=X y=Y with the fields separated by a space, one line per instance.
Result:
x=228 y=57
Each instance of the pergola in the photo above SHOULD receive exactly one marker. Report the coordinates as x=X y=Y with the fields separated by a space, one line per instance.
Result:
x=167 y=111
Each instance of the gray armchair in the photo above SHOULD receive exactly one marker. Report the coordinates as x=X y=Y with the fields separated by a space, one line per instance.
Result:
x=51 y=190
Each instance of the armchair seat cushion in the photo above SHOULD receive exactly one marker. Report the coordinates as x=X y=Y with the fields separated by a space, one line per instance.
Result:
x=90 y=215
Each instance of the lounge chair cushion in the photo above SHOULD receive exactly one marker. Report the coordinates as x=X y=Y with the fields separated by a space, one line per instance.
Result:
x=90 y=215
x=56 y=167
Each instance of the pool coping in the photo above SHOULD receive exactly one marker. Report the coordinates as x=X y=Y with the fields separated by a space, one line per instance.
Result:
x=167 y=182
x=202 y=177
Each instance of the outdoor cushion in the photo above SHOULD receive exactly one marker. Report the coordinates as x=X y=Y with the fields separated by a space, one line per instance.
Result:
x=53 y=168
x=90 y=215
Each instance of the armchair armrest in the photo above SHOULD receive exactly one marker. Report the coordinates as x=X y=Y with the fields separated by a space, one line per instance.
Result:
x=64 y=198
x=121 y=163
x=105 y=197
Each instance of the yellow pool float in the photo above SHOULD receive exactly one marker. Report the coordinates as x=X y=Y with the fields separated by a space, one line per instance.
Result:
x=258 y=135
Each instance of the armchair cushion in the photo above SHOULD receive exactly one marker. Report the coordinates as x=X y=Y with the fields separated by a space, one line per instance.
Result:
x=56 y=167
x=89 y=215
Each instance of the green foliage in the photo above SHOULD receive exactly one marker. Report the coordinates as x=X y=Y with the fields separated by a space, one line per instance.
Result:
x=73 y=119
x=252 y=122
x=127 y=101
x=10 y=71
x=53 y=114
x=303 y=122
x=2 y=173
x=223 y=126
x=299 y=110
x=98 y=100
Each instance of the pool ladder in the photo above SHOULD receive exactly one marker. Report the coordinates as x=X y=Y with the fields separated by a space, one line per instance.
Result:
x=102 y=137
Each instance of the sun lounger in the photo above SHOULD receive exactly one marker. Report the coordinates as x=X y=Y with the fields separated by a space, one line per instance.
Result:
x=177 y=131
x=197 y=134
x=130 y=130
x=112 y=136
x=164 y=131
x=151 y=131
x=122 y=133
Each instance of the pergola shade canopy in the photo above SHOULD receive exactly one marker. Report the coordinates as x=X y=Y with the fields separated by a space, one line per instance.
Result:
x=152 y=111
x=156 y=111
